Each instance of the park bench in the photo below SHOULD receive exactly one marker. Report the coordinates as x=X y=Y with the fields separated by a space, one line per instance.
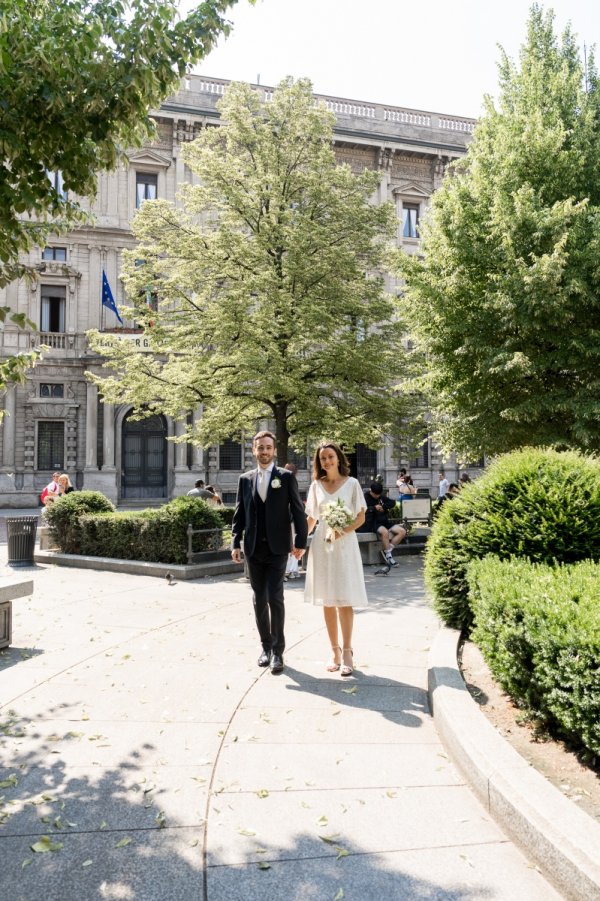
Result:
x=10 y=590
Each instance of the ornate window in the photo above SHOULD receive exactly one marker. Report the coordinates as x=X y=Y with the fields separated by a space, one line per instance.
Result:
x=298 y=458
x=58 y=254
x=410 y=220
x=50 y=445
x=420 y=458
x=56 y=180
x=51 y=390
x=53 y=308
x=230 y=455
x=146 y=184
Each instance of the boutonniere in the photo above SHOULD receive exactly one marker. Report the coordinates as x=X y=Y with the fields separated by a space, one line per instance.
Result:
x=276 y=483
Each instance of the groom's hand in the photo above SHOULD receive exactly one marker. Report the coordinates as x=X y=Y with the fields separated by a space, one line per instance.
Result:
x=298 y=552
x=236 y=555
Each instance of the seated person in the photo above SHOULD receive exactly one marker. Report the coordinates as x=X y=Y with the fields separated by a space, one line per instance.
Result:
x=64 y=484
x=200 y=491
x=216 y=500
x=50 y=492
x=376 y=520
x=453 y=490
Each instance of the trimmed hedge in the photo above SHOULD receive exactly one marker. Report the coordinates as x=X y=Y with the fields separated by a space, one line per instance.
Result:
x=226 y=514
x=538 y=627
x=85 y=522
x=536 y=503
x=157 y=535
x=62 y=517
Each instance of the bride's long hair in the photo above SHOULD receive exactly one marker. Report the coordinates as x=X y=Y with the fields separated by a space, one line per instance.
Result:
x=317 y=470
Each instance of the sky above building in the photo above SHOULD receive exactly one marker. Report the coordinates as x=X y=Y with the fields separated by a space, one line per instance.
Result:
x=436 y=56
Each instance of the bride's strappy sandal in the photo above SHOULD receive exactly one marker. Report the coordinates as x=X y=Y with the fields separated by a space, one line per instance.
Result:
x=334 y=667
x=346 y=669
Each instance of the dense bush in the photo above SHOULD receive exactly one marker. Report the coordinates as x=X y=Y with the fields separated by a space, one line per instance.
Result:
x=226 y=514
x=535 y=503
x=62 y=517
x=538 y=627
x=159 y=535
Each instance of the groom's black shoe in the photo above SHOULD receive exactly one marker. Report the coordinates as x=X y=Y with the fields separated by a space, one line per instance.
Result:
x=264 y=659
x=276 y=664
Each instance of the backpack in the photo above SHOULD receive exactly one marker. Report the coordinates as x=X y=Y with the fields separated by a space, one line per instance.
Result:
x=44 y=494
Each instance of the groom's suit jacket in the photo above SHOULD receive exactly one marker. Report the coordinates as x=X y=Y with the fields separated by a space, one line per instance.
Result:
x=283 y=506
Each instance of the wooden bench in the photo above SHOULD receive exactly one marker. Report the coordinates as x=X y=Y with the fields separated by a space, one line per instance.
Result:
x=10 y=590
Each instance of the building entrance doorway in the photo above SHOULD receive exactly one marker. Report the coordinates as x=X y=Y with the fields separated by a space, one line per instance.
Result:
x=144 y=458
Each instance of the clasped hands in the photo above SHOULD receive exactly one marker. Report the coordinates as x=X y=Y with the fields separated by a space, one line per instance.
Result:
x=236 y=553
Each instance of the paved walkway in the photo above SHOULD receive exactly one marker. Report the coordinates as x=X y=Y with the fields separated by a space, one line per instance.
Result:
x=137 y=733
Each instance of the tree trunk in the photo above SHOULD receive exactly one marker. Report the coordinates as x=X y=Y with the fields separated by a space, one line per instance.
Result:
x=282 y=434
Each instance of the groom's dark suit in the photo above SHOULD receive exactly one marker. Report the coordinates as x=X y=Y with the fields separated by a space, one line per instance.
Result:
x=266 y=530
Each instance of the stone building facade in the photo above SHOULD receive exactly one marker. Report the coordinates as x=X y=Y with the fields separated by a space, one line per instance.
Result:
x=56 y=420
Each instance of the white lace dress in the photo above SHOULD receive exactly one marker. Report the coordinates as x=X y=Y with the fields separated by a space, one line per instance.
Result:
x=334 y=578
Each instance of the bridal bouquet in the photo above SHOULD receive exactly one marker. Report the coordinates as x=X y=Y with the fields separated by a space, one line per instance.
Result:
x=336 y=517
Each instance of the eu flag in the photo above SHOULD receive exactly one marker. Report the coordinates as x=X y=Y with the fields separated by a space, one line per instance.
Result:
x=107 y=297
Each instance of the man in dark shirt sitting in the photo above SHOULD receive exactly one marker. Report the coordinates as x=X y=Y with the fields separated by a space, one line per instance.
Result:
x=376 y=520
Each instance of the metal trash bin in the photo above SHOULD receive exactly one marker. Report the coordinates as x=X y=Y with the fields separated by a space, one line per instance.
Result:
x=21 y=540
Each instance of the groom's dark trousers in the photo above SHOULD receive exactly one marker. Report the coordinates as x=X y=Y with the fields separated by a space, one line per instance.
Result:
x=266 y=530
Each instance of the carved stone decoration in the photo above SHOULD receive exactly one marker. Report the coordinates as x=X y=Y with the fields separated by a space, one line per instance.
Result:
x=357 y=159
x=408 y=167
x=185 y=131
x=384 y=159
x=439 y=170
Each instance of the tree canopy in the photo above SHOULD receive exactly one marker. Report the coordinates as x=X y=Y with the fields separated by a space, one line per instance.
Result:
x=506 y=295
x=77 y=81
x=271 y=304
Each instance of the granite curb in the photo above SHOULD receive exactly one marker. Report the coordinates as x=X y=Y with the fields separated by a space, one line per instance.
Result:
x=140 y=567
x=554 y=832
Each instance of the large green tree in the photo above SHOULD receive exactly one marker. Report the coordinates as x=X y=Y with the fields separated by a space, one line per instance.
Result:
x=77 y=81
x=271 y=300
x=506 y=295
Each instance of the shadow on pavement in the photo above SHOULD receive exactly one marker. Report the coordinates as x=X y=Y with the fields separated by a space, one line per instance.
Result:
x=399 y=702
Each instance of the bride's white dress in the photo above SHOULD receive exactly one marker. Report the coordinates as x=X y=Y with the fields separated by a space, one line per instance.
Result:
x=334 y=578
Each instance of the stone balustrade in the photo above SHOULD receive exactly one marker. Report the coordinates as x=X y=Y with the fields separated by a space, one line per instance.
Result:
x=345 y=108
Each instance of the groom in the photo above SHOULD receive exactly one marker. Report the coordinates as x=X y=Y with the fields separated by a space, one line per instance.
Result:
x=267 y=503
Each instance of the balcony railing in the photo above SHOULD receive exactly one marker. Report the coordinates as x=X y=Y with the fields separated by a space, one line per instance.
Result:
x=213 y=88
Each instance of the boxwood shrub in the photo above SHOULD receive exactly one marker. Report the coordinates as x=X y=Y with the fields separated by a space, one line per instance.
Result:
x=157 y=535
x=62 y=517
x=536 y=503
x=538 y=627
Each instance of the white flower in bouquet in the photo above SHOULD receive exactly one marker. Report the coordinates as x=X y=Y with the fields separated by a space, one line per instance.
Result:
x=336 y=517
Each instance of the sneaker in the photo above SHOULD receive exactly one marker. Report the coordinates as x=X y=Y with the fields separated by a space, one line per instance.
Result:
x=385 y=558
x=391 y=561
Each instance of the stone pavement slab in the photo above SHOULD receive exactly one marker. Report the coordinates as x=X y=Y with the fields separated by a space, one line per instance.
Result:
x=137 y=732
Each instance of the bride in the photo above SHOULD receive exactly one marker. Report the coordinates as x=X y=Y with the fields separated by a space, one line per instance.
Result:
x=334 y=575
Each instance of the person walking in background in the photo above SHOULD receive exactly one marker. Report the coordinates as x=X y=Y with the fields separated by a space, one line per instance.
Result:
x=334 y=575
x=267 y=504
x=443 y=486
x=465 y=479
x=442 y=491
x=292 y=569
